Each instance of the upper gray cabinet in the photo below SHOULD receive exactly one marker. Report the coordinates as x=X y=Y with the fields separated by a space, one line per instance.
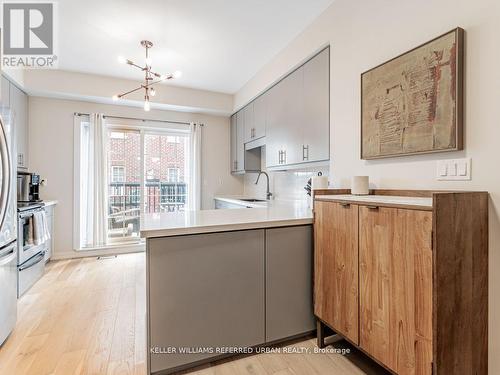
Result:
x=316 y=116
x=293 y=116
x=234 y=140
x=19 y=110
x=255 y=119
x=299 y=127
x=242 y=160
x=5 y=92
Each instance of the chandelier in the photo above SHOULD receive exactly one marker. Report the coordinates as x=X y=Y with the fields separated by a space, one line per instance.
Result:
x=150 y=78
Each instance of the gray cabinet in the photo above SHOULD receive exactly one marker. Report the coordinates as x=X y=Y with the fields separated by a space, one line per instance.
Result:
x=316 y=116
x=248 y=113
x=289 y=300
x=240 y=141
x=5 y=92
x=255 y=119
x=285 y=121
x=242 y=160
x=205 y=290
x=234 y=140
x=239 y=288
x=49 y=212
x=19 y=111
x=293 y=116
x=260 y=112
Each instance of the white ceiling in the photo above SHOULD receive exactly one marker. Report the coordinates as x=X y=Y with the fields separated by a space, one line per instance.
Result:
x=217 y=44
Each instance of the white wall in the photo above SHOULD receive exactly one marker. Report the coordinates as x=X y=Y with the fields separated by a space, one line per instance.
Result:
x=100 y=89
x=51 y=155
x=365 y=33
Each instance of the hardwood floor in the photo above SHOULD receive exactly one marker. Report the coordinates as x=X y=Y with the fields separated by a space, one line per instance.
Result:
x=87 y=316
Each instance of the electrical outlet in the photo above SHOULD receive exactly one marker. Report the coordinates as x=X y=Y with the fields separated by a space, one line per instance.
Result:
x=454 y=170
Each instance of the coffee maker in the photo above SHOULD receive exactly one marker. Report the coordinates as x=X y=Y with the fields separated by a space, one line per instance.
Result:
x=28 y=187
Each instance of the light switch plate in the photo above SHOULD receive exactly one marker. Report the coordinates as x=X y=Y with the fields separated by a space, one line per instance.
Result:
x=454 y=170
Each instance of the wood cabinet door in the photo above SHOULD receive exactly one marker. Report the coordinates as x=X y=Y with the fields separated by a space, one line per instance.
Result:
x=395 y=273
x=336 y=299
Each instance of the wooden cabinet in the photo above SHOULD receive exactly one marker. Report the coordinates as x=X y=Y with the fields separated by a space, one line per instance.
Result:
x=289 y=307
x=395 y=270
x=422 y=266
x=336 y=267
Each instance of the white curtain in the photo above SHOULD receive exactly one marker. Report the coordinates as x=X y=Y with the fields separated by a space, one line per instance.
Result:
x=194 y=183
x=94 y=178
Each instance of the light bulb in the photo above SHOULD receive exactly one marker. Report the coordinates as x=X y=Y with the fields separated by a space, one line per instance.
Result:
x=177 y=74
x=122 y=60
x=152 y=91
x=148 y=61
x=115 y=98
x=147 y=107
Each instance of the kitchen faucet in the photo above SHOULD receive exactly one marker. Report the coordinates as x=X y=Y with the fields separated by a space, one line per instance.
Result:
x=268 y=193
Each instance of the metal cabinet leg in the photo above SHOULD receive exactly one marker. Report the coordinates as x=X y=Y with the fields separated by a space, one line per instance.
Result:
x=321 y=334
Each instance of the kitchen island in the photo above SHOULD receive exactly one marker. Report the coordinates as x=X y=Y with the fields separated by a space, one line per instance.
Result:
x=223 y=282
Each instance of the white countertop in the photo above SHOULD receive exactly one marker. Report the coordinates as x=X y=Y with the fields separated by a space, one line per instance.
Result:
x=275 y=214
x=50 y=203
x=380 y=199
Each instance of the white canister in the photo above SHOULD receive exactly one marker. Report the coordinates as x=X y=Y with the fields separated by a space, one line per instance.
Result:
x=359 y=185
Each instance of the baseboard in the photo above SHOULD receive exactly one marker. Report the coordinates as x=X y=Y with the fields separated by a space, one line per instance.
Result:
x=126 y=249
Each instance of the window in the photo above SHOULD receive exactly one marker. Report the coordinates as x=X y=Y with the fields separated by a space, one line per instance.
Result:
x=146 y=171
x=173 y=174
x=117 y=174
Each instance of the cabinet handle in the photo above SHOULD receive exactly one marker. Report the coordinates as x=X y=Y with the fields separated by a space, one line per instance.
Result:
x=305 y=155
x=372 y=207
x=346 y=205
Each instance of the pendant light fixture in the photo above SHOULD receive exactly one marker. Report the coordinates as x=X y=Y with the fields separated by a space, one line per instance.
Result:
x=150 y=78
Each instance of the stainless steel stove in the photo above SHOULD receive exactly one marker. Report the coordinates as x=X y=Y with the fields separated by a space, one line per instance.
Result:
x=30 y=256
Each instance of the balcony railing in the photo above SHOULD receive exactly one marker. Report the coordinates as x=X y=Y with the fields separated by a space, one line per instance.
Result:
x=125 y=201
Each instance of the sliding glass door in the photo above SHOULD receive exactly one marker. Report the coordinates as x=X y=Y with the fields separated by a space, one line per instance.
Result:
x=147 y=172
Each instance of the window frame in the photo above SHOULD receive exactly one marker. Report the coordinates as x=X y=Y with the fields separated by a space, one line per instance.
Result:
x=118 y=167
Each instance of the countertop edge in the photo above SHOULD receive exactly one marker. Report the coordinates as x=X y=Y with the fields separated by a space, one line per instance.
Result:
x=158 y=233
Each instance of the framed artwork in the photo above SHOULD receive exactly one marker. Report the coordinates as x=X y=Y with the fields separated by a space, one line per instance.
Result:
x=413 y=103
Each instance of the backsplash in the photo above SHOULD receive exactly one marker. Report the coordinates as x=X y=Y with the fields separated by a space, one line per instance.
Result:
x=286 y=185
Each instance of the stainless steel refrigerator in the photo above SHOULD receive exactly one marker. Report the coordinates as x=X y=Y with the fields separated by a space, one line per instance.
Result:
x=8 y=225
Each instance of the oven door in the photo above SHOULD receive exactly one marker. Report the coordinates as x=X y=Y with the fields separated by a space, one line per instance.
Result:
x=29 y=272
x=26 y=247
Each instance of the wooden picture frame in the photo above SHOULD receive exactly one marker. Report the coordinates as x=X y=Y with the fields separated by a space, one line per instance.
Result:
x=415 y=114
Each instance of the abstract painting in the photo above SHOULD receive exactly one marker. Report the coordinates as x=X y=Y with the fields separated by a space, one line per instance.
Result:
x=413 y=103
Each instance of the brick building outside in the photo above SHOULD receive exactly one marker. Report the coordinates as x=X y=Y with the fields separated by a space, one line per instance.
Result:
x=164 y=169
